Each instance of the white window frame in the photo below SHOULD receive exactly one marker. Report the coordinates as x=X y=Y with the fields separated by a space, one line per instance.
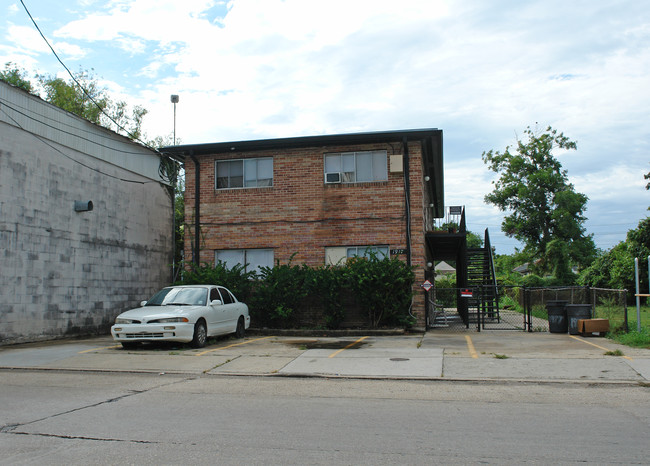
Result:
x=340 y=254
x=245 y=253
x=250 y=171
x=347 y=167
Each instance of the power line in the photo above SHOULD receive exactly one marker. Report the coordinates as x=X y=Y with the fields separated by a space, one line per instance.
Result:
x=79 y=84
x=44 y=141
x=5 y=104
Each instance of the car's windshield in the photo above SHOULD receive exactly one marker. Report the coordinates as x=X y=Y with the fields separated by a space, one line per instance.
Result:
x=179 y=297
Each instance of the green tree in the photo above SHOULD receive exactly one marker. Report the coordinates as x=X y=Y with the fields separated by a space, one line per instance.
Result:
x=543 y=206
x=16 y=77
x=615 y=268
x=84 y=97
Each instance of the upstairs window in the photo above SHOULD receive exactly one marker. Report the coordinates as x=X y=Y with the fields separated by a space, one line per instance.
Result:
x=244 y=173
x=356 y=167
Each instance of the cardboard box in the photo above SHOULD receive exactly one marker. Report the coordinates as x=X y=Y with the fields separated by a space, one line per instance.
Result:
x=593 y=327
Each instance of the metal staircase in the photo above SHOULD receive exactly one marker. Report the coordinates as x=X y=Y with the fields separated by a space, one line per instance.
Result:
x=481 y=279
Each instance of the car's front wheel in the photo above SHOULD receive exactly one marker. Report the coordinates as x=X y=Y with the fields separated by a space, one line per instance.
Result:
x=200 y=335
x=241 y=328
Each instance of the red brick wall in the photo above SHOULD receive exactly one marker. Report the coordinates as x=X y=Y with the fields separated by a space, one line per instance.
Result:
x=302 y=215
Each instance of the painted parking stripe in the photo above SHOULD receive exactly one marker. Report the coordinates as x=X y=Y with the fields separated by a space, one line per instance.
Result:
x=470 y=347
x=347 y=347
x=231 y=346
x=97 y=349
x=597 y=346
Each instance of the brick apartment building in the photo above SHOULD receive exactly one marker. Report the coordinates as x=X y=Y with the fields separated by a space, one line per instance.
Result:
x=318 y=199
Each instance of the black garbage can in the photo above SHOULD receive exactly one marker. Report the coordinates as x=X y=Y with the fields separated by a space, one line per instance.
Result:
x=557 y=316
x=575 y=312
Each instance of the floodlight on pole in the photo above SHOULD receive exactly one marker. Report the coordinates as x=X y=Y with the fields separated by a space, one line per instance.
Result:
x=174 y=99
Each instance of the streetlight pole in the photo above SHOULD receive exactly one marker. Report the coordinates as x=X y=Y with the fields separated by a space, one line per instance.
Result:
x=174 y=99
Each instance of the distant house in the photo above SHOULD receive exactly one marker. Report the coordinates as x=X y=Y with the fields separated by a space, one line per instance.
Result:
x=85 y=222
x=443 y=270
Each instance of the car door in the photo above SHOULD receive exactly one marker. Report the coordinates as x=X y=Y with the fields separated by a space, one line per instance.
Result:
x=215 y=314
x=230 y=310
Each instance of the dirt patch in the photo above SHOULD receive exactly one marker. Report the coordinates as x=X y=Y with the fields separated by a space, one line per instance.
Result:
x=325 y=344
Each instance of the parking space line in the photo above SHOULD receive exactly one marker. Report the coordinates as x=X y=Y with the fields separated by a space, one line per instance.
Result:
x=599 y=347
x=231 y=346
x=470 y=347
x=96 y=349
x=347 y=347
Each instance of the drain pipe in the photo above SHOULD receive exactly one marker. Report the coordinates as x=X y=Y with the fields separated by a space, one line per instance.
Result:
x=407 y=203
x=197 y=212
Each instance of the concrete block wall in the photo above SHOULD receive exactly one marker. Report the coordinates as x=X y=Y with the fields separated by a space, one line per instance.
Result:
x=300 y=215
x=63 y=272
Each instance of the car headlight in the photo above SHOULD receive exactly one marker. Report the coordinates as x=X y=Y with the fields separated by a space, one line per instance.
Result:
x=169 y=320
x=120 y=320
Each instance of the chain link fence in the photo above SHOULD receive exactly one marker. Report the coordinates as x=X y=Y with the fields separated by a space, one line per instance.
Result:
x=521 y=308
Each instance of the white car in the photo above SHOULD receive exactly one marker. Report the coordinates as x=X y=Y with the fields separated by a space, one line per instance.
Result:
x=190 y=313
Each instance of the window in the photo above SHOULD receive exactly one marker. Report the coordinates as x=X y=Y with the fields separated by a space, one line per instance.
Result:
x=226 y=296
x=338 y=255
x=244 y=173
x=251 y=259
x=356 y=167
x=367 y=251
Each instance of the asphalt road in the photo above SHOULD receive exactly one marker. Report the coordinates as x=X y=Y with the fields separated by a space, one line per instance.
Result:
x=60 y=417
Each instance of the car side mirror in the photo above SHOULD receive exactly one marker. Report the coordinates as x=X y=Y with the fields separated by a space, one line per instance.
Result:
x=216 y=302
x=142 y=303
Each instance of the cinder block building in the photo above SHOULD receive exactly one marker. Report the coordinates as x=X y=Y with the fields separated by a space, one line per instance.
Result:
x=317 y=199
x=86 y=226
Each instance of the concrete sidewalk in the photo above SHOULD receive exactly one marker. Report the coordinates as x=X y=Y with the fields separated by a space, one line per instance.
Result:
x=487 y=356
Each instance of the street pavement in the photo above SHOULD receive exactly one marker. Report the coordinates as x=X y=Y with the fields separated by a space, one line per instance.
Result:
x=495 y=356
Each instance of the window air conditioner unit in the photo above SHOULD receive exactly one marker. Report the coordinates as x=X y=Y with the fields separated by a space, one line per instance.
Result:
x=332 y=177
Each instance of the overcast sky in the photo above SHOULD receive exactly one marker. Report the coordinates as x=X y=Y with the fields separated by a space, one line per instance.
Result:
x=482 y=71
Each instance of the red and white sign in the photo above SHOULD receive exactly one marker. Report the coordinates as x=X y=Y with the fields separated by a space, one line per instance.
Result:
x=427 y=285
x=466 y=293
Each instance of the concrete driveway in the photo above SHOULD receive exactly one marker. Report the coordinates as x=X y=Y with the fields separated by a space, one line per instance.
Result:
x=488 y=356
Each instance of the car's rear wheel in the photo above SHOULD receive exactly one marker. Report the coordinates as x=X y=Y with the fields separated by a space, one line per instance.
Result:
x=241 y=328
x=200 y=335
x=130 y=344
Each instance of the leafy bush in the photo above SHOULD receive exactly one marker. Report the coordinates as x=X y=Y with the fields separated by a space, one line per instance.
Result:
x=279 y=292
x=446 y=293
x=383 y=287
x=236 y=279
x=325 y=284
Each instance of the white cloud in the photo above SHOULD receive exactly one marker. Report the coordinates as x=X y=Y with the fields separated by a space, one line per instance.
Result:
x=69 y=51
x=481 y=71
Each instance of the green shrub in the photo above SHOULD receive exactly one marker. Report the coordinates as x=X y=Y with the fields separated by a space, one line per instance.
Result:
x=236 y=279
x=383 y=288
x=446 y=292
x=278 y=293
x=325 y=284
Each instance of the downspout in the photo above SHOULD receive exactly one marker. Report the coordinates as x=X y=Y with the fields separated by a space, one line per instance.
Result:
x=197 y=212
x=407 y=203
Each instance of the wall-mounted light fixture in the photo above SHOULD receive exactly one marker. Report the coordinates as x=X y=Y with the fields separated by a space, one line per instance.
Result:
x=427 y=178
x=429 y=264
x=83 y=206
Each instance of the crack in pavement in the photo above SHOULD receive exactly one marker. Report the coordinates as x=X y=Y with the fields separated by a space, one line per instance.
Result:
x=10 y=428
x=81 y=437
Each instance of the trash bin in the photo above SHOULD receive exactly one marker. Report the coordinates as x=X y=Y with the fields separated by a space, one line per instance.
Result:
x=575 y=312
x=557 y=316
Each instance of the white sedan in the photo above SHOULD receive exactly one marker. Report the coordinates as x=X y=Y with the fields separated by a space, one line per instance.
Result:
x=190 y=313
